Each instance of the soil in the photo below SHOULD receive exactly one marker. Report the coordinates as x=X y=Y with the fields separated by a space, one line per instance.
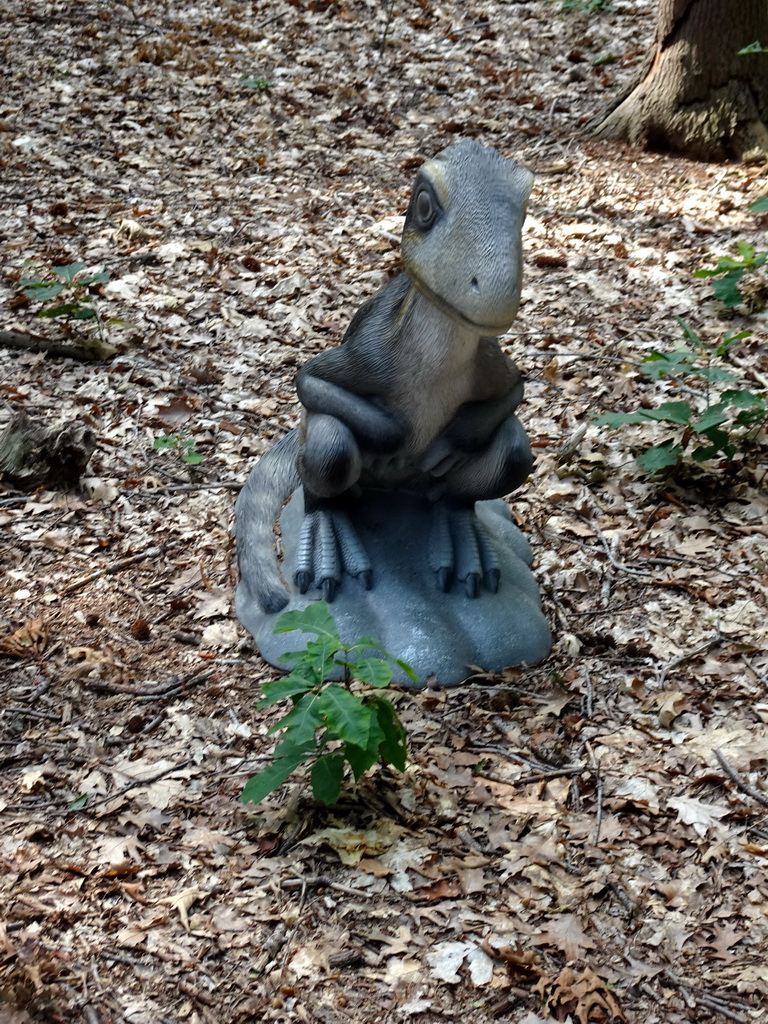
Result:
x=584 y=840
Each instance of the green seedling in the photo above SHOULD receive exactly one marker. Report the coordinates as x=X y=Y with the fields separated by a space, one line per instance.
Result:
x=727 y=273
x=257 y=84
x=730 y=418
x=333 y=727
x=182 y=443
x=66 y=293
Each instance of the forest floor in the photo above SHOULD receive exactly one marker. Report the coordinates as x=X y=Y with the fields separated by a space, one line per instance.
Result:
x=584 y=840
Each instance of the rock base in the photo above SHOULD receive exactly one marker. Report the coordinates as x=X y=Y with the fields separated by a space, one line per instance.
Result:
x=443 y=636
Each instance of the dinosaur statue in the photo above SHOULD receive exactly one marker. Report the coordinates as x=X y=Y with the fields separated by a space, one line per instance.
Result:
x=408 y=429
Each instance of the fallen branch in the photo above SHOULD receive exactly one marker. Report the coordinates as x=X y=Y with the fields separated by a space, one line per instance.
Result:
x=742 y=784
x=110 y=570
x=91 y=350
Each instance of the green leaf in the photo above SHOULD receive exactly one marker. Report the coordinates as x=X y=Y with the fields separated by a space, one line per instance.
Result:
x=346 y=715
x=362 y=758
x=85 y=313
x=412 y=675
x=41 y=291
x=192 y=458
x=749 y=417
x=713 y=374
x=746 y=251
x=68 y=272
x=760 y=205
x=301 y=721
x=99 y=278
x=394 y=746
x=690 y=335
x=713 y=417
x=755 y=47
x=726 y=289
x=367 y=643
x=730 y=338
x=280 y=689
x=721 y=439
x=744 y=399
x=315 y=618
x=373 y=671
x=669 y=412
x=660 y=456
x=165 y=441
x=720 y=443
x=258 y=84
x=327 y=775
x=271 y=777
x=79 y=802
x=67 y=309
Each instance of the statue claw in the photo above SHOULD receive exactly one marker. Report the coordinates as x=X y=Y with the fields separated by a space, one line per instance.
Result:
x=329 y=547
x=491 y=579
x=459 y=548
x=302 y=581
x=444 y=579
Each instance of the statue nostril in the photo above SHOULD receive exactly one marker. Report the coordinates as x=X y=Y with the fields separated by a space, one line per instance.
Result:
x=475 y=285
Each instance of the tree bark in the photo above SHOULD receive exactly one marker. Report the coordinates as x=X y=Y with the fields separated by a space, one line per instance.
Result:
x=697 y=95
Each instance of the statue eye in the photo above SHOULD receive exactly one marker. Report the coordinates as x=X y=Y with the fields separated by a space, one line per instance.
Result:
x=425 y=208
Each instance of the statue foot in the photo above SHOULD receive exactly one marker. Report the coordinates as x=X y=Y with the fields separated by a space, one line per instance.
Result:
x=460 y=549
x=328 y=546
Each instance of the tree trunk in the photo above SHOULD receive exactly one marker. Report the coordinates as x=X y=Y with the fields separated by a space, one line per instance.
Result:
x=697 y=95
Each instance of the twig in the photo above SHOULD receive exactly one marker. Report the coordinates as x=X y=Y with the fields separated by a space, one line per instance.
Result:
x=110 y=570
x=291 y=884
x=701 y=649
x=208 y=485
x=587 y=698
x=383 y=42
x=599 y=796
x=733 y=775
x=453 y=32
x=650 y=561
x=294 y=929
x=556 y=773
x=153 y=692
x=704 y=998
x=268 y=21
x=33 y=714
x=139 y=782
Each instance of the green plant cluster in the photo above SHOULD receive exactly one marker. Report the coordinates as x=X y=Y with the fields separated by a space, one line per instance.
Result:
x=727 y=273
x=730 y=418
x=182 y=443
x=255 y=83
x=65 y=282
x=328 y=725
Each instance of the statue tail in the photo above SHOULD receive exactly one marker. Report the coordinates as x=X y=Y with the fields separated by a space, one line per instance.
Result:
x=272 y=480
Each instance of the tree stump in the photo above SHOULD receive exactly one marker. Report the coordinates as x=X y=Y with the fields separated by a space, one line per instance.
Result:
x=35 y=455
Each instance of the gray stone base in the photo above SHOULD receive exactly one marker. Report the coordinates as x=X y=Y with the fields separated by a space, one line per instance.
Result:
x=436 y=633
